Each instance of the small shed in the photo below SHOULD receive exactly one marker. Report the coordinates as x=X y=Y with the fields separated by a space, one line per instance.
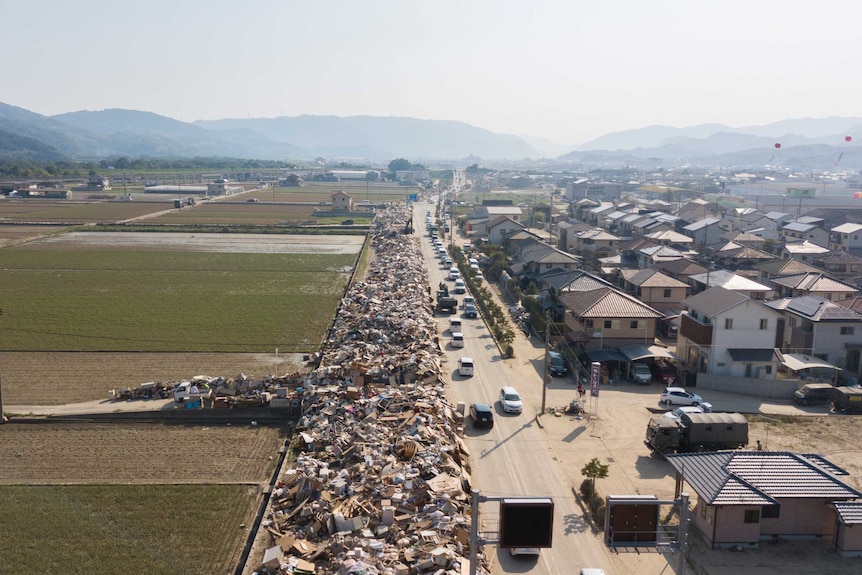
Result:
x=848 y=528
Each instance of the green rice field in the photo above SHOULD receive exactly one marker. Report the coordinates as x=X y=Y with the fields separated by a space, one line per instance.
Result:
x=92 y=300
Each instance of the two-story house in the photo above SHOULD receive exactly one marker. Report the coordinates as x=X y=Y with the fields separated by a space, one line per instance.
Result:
x=797 y=231
x=730 y=281
x=847 y=236
x=821 y=328
x=654 y=288
x=607 y=317
x=725 y=332
x=704 y=232
x=501 y=228
x=812 y=283
x=842 y=265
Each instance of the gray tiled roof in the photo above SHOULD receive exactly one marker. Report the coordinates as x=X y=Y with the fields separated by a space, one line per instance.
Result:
x=813 y=281
x=814 y=308
x=715 y=300
x=759 y=477
x=849 y=512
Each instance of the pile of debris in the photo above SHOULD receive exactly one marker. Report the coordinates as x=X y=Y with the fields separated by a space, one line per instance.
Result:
x=381 y=482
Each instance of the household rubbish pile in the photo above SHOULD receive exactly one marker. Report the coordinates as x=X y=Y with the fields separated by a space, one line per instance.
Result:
x=380 y=484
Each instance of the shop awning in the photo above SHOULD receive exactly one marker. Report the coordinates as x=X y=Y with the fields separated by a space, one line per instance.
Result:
x=603 y=355
x=799 y=361
x=637 y=351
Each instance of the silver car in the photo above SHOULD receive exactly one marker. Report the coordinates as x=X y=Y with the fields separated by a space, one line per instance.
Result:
x=510 y=400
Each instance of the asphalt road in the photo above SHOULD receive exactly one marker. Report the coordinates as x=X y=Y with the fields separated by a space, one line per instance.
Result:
x=515 y=457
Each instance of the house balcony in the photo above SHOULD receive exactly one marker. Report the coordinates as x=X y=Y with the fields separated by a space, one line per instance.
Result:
x=694 y=330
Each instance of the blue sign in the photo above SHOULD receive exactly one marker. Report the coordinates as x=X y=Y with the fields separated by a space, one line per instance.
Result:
x=413 y=197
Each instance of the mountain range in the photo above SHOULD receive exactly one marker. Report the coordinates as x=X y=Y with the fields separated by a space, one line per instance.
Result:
x=805 y=144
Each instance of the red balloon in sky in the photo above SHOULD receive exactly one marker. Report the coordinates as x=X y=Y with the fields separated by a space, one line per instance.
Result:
x=848 y=138
x=777 y=145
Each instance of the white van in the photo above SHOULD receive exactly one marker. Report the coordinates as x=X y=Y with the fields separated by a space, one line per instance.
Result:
x=455 y=324
x=460 y=286
x=465 y=366
x=457 y=339
x=454 y=273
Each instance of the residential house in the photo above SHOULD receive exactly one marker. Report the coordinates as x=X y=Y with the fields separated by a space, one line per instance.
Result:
x=795 y=231
x=745 y=497
x=734 y=256
x=847 y=236
x=812 y=283
x=681 y=269
x=607 y=317
x=842 y=265
x=743 y=238
x=650 y=256
x=596 y=243
x=567 y=233
x=730 y=281
x=493 y=212
x=580 y=208
x=540 y=258
x=738 y=219
x=624 y=224
x=704 y=232
x=654 y=288
x=594 y=215
x=804 y=250
x=821 y=328
x=671 y=238
x=782 y=267
x=341 y=201
x=726 y=332
x=501 y=228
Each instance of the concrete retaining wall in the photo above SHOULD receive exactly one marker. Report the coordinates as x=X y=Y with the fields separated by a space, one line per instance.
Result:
x=767 y=388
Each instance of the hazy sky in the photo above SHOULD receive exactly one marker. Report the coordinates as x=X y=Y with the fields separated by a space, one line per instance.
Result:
x=568 y=70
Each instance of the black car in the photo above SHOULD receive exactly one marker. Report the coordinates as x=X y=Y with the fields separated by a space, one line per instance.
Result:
x=557 y=364
x=482 y=415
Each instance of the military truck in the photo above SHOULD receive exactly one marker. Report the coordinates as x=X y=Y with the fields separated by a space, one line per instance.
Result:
x=697 y=432
x=847 y=400
x=445 y=303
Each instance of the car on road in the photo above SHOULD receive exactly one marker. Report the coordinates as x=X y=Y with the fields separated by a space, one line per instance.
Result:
x=252 y=201
x=454 y=274
x=482 y=415
x=465 y=366
x=455 y=324
x=457 y=339
x=460 y=286
x=679 y=396
x=470 y=311
x=641 y=373
x=510 y=400
x=524 y=551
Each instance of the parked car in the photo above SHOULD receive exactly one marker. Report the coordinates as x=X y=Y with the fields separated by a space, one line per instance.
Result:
x=479 y=277
x=677 y=413
x=482 y=415
x=641 y=373
x=510 y=400
x=847 y=379
x=813 y=394
x=557 y=364
x=679 y=396
x=252 y=201
x=465 y=366
x=663 y=371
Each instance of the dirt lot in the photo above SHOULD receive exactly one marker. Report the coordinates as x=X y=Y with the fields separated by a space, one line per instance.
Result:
x=51 y=378
x=80 y=453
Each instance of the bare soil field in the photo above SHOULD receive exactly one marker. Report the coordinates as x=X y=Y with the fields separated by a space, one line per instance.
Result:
x=212 y=243
x=53 y=378
x=65 y=211
x=110 y=454
x=11 y=234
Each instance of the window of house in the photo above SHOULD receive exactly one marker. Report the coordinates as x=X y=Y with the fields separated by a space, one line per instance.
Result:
x=589 y=323
x=667 y=293
x=847 y=330
x=633 y=324
x=608 y=324
x=763 y=323
x=728 y=323
x=767 y=369
x=702 y=509
x=770 y=511
x=752 y=516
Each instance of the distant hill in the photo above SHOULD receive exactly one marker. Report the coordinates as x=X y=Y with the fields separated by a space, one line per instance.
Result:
x=806 y=143
x=17 y=148
x=385 y=137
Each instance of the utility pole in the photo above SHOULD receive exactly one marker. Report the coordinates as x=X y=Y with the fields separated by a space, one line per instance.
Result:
x=545 y=370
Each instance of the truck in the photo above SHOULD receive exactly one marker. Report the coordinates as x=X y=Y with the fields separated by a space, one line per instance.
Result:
x=846 y=399
x=445 y=302
x=697 y=432
x=193 y=391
